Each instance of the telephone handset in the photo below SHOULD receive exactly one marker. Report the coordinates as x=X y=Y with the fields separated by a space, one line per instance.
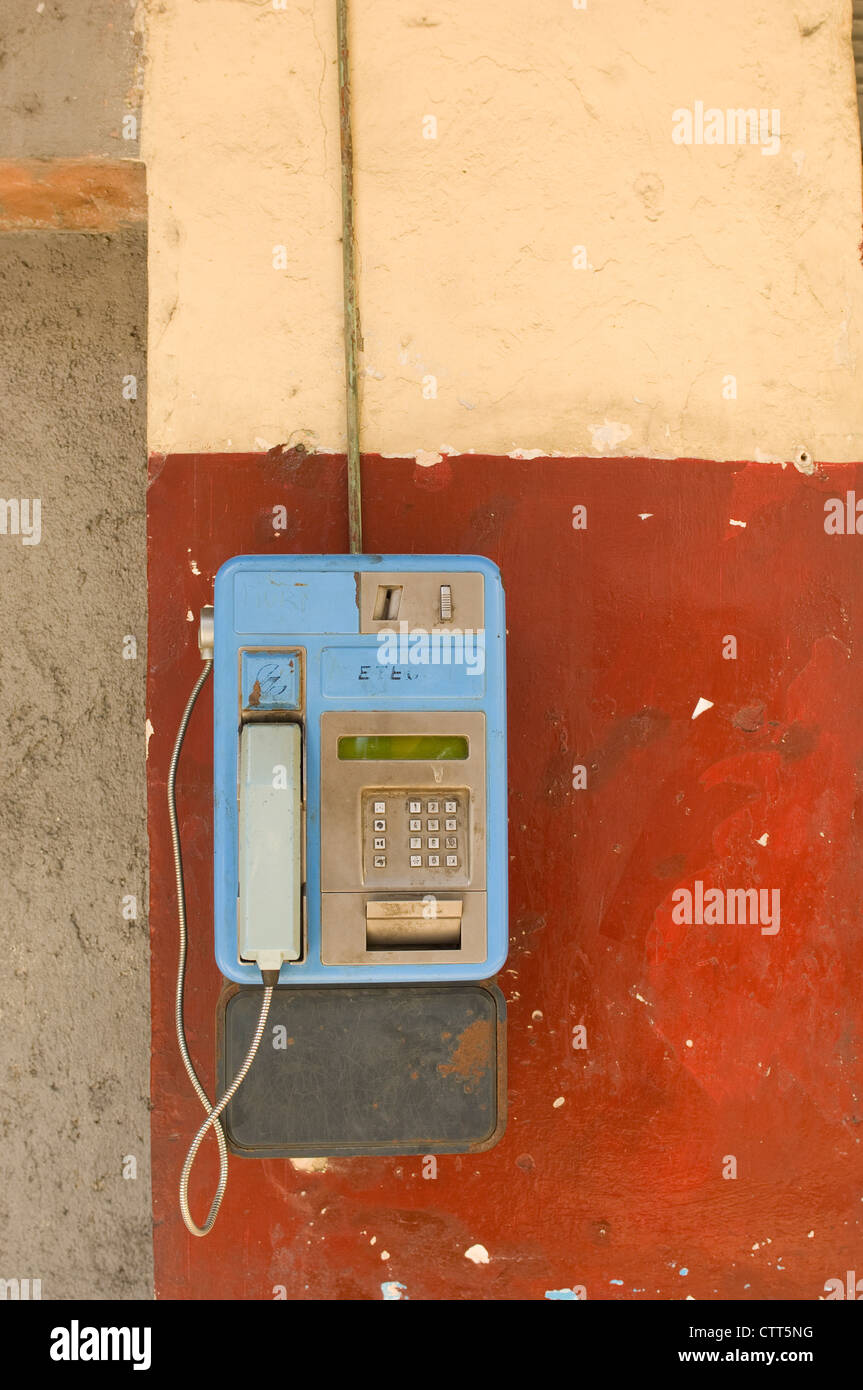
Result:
x=360 y=830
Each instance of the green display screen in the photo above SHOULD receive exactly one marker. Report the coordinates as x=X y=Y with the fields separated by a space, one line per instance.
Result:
x=385 y=748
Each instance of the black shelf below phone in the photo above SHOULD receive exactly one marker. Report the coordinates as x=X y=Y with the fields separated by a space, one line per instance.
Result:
x=367 y=1069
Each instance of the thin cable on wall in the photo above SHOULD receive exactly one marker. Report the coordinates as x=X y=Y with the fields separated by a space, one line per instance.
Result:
x=353 y=341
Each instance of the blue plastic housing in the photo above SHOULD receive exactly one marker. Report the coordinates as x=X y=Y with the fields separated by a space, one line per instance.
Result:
x=311 y=602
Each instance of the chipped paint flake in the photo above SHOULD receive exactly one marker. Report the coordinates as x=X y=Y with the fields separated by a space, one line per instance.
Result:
x=762 y=839
x=556 y=1104
x=701 y=707
x=427 y=458
x=392 y=1291
x=643 y=516
x=733 y=522
x=148 y=734
x=309 y=1165
x=478 y=1254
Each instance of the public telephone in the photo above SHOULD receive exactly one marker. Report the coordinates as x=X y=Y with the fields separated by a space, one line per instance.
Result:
x=359 y=788
x=360 y=768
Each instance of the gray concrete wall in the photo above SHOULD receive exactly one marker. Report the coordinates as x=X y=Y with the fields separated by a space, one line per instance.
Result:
x=70 y=70
x=74 y=986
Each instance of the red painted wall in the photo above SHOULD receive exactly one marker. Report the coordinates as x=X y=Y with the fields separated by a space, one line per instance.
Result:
x=703 y=1041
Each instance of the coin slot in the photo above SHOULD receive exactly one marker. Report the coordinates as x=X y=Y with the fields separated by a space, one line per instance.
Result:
x=403 y=926
x=387 y=603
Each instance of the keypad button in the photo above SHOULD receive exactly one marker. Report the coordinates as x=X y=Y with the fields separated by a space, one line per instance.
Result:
x=452 y=842
x=434 y=825
x=434 y=842
x=415 y=807
x=380 y=861
x=434 y=861
x=380 y=842
x=450 y=825
x=415 y=825
x=452 y=861
x=450 y=807
x=380 y=825
x=432 y=808
x=416 y=861
x=380 y=808
x=416 y=842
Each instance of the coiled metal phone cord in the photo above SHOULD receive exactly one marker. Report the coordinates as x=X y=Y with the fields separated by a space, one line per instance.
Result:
x=213 y=1111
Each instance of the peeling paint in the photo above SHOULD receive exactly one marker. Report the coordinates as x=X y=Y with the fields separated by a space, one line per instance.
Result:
x=309 y=1165
x=392 y=1291
x=478 y=1254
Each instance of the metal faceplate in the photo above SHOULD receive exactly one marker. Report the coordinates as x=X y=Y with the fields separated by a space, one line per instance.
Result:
x=404 y=844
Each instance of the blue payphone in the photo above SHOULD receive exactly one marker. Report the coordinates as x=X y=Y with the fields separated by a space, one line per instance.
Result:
x=360 y=791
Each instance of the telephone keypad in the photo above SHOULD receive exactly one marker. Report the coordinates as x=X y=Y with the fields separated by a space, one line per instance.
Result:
x=401 y=835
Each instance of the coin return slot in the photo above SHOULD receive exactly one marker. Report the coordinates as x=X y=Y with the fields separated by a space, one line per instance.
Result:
x=413 y=925
x=387 y=603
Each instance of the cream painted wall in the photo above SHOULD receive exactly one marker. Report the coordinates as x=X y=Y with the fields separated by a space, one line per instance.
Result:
x=554 y=130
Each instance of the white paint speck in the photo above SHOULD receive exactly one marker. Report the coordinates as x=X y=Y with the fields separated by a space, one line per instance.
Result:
x=701 y=707
x=392 y=1291
x=385 y=1254
x=148 y=734
x=810 y=1234
x=194 y=567
x=642 y=516
x=689 y=1042
x=536 y=1015
x=309 y=1165
x=732 y=522
x=561 y=1100
x=373 y=1241
x=190 y=617
x=478 y=1254
x=762 y=839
